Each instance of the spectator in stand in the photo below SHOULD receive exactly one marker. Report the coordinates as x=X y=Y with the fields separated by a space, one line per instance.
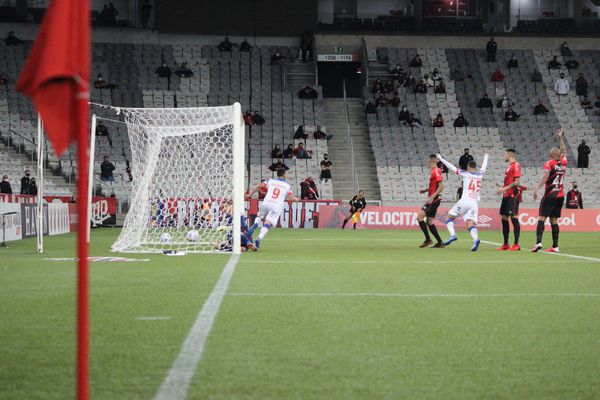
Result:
x=574 y=199
x=491 y=49
x=33 y=189
x=410 y=81
x=428 y=81
x=146 y=12
x=536 y=76
x=438 y=121
x=100 y=83
x=554 y=64
x=307 y=190
x=420 y=87
x=388 y=87
x=370 y=108
x=3 y=79
x=512 y=63
x=245 y=46
x=583 y=155
x=440 y=88
x=102 y=130
x=382 y=101
x=26 y=183
x=586 y=104
x=12 y=39
x=326 y=165
x=497 y=76
x=106 y=170
x=460 y=121
x=416 y=62
x=164 y=71
x=436 y=75
x=307 y=93
x=565 y=51
x=226 y=45
x=413 y=122
x=276 y=152
x=248 y=118
x=306 y=45
x=277 y=58
x=397 y=71
x=571 y=64
x=5 y=187
x=403 y=114
x=540 y=109
x=504 y=102
x=377 y=86
x=289 y=152
x=395 y=102
x=128 y=172
x=457 y=76
x=301 y=153
x=257 y=119
x=319 y=134
x=112 y=14
x=561 y=86
x=581 y=86
x=510 y=115
x=300 y=134
x=463 y=161
x=485 y=102
x=183 y=71
x=278 y=166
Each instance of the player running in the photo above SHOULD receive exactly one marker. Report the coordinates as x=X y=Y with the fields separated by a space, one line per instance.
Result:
x=357 y=204
x=468 y=205
x=426 y=215
x=278 y=191
x=511 y=194
x=554 y=194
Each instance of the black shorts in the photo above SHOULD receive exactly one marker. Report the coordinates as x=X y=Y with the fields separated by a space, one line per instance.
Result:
x=551 y=206
x=431 y=209
x=353 y=210
x=509 y=206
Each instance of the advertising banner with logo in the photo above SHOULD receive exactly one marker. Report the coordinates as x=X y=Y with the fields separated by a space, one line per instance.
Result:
x=10 y=220
x=29 y=221
x=58 y=218
x=296 y=214
x=406 y=218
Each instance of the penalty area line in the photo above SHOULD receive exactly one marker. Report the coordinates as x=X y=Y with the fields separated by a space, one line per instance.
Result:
x=177 y=382
x=554 y=254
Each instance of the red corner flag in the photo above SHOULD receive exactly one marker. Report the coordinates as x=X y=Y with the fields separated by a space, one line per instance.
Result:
x=56 y=78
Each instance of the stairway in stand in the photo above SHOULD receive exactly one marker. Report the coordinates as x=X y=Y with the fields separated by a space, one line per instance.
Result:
x=339 y=150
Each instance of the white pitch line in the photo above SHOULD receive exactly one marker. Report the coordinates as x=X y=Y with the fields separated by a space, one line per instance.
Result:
x=179 y=377
x=415 y=295
x=555 y=254
x=415 y=262
x=152 y=318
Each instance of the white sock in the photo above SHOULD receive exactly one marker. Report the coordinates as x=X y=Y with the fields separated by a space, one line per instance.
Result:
x=257 y=221
x=474 y=235
x=450 y=226
x=263 y=232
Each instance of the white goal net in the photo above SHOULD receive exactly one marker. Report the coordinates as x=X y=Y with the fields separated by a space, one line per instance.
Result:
x=188 y=171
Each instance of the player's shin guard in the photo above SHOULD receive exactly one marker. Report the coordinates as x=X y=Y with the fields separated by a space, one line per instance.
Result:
x=505 y=230
x=555 y=232
x=516 y=229
x=423 y=227
x=263 y=231
x=435 y=233
x=473 y=232
x=450 y=226
x=539 y=231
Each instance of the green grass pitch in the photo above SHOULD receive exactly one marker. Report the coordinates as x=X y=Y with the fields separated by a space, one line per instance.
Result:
x=322 y=314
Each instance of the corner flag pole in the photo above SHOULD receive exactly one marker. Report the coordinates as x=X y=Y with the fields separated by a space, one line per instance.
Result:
x=91 y=177
x=40 y=193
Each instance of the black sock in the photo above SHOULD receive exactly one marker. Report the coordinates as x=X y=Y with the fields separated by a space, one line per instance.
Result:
x=345 y=222
x=354 y=226
x=505 y=230
x=434 y=232
x=423 y=227
x=540 y=231
x=555 y=231
x=516 y=229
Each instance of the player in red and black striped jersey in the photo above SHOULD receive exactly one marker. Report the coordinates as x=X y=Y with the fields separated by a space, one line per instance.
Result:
x=426 y=215
x=554 y=193
x=509 y=207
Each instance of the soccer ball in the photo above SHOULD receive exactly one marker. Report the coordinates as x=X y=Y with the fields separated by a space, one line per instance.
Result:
x=165 y=238
x=193 y=236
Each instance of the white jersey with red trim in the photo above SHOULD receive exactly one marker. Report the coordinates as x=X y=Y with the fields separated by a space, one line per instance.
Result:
x=471 y=184
x=277 y=191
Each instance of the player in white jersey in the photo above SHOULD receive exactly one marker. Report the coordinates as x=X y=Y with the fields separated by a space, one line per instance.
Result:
x=278 y=192
x=468 y=205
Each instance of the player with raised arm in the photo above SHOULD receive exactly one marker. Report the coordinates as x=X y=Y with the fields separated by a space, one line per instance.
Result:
x=278 y=191
x=554 y=193
x=509 y=208
x=426 y=215
x=468 y=205
x=357 y=204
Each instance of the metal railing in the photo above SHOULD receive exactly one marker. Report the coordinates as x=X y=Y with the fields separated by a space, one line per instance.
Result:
x=355 y=182
x=365 y=63
x=289 y=74
x=20 y=149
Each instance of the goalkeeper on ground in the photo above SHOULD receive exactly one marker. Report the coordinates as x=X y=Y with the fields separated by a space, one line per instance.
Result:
x=246 y=241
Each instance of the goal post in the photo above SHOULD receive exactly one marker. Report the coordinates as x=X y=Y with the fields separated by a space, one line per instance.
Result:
x=188 y=180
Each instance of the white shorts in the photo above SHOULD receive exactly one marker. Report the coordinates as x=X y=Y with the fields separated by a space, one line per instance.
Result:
x=269 y=212
x=468 y=208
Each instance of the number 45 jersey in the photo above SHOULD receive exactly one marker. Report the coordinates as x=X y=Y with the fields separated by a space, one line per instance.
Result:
x=471 y=184
x=277 y=191
x=556 y=170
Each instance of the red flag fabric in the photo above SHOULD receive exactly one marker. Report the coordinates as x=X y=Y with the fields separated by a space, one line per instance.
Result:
x=56 y=74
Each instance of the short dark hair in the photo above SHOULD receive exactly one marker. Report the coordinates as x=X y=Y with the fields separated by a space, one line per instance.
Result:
x=511 y=150
x=472 y=164
x=280 y=173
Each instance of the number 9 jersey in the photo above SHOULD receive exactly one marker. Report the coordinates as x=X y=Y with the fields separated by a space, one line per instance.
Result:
x=277 y=191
